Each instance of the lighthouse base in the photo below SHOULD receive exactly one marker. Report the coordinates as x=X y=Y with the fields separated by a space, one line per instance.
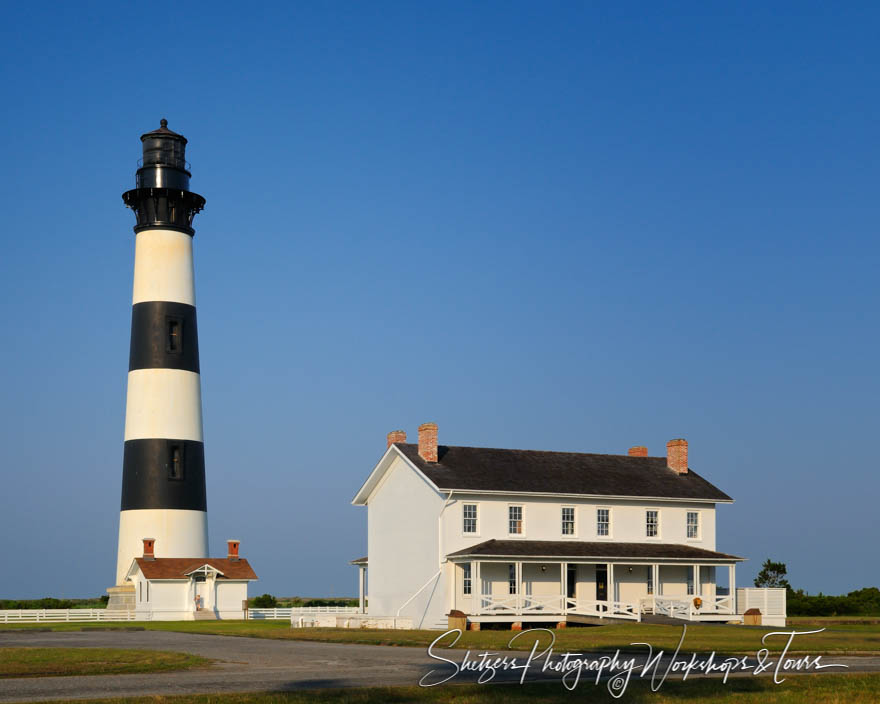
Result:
x=121 y=597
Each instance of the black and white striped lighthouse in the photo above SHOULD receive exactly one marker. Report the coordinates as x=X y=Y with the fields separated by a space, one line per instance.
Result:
x=163 y=473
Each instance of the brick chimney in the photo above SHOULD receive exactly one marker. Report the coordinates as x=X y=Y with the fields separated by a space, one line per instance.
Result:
x=232 y=551
x=396 y=436
x=677 y=455
x=149 y=545
x=638 y=451
x=428 y=442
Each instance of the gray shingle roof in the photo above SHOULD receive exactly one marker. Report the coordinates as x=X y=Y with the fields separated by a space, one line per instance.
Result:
x=535 y=471
x=579 y=549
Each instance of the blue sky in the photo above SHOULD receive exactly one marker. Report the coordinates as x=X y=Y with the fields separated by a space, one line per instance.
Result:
x=565 y=226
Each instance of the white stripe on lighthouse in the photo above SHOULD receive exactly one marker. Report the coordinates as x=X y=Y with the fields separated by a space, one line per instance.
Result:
x=163 y=267
x=163 y=403
x=177 y=533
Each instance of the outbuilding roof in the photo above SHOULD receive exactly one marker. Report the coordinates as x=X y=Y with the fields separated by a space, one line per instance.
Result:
x=543 y=472
x=576 y=549
x=181 y=567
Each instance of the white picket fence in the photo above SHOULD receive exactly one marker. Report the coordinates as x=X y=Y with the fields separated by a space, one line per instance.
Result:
x=64 y=615
x=287 y=613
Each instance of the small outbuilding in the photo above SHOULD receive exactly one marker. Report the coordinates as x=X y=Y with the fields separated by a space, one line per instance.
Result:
x=190 y=588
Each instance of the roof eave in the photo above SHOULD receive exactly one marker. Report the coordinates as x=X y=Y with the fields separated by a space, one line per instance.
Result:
x=599 y=558
x=496 y=492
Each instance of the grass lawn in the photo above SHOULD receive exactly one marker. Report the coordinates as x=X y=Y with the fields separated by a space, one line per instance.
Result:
x=52 y=662
x=838 y=639
x=816 y=689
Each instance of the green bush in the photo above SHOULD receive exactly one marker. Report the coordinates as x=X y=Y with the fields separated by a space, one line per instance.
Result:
x=266 y=601
x=862 y=602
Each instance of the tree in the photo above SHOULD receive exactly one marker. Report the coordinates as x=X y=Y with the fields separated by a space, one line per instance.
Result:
x=266 y=601
x=772 y=574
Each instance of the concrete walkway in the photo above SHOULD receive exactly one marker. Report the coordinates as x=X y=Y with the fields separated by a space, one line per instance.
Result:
x=250 y=664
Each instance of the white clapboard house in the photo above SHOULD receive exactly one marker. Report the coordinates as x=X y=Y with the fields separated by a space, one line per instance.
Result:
x=189 y=588
x=531 y=536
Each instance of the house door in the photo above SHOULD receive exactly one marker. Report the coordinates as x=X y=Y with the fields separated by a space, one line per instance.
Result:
x=571 y=581
x=601 y=583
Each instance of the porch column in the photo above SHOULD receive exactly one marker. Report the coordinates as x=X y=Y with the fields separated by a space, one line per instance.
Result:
x=612 y=595
x=362 y=592
x=564 y=587
x=477 y=586
x=518 y=573
x=731 y=581
x=656 y=580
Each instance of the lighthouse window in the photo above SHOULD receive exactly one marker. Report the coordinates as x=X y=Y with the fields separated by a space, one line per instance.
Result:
x=174 y=342
x=175 y=462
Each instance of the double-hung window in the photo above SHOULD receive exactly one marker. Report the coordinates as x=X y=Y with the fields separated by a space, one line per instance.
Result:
x=515 y=520
x=511 y=579
x=469 y=518
x=568 y=520
x=652 y=523
x=650 y=579
x=693 y=524
x=603 y=522
x=466 y=583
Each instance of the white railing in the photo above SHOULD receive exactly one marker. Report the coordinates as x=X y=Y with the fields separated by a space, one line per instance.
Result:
x=672 y=607
x=286 y=614
x=604 y=609
x=556 y=604
x=498 y=604
x=717 y=605
x=551 y=604
x=66 y=615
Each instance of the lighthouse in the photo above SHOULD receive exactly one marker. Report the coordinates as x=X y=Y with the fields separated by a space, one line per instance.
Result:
x=163 y=469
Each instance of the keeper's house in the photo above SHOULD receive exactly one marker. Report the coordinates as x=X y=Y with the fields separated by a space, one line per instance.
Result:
x=189 y=588
x=521 y=535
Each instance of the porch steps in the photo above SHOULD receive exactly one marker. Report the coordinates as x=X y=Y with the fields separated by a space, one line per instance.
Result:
x=438 y=625
x=660 y=618
x=205 y=615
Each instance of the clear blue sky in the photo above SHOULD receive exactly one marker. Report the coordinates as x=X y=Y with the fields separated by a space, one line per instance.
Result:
x=566 y=226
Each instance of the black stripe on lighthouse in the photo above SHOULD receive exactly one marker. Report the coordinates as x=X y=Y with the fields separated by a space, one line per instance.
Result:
x=164 y=335
x=162 y=473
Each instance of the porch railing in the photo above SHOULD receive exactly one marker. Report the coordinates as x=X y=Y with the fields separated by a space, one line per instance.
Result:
x=555 y=604
x=684 y=608
x=604 y=609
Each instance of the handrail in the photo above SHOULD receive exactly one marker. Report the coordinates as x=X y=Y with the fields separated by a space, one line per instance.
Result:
x=433 y=577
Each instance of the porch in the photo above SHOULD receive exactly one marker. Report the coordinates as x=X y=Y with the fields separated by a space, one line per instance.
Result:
x=542 y=587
